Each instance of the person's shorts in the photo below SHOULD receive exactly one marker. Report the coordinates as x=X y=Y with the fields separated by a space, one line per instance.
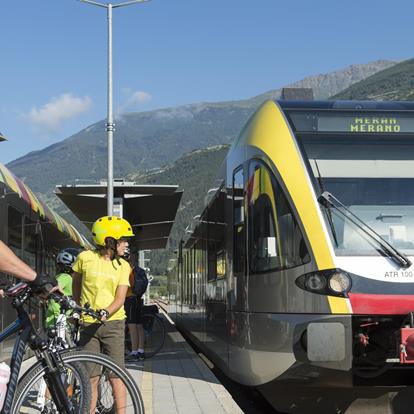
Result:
x=108 y=338
x=133 y=308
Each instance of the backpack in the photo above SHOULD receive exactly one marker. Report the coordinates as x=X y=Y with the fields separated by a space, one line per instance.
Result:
x=140 y=283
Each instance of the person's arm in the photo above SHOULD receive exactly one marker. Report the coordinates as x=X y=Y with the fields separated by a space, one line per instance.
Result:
x=11 y=264
x=119 y=300
x=76 y=286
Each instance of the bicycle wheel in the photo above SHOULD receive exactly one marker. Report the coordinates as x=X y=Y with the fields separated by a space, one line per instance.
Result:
x=32 y=395
x=110 y=374
x=154 y=330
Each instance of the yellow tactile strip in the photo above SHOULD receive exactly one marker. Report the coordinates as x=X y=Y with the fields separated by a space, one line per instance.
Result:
x=146 y=386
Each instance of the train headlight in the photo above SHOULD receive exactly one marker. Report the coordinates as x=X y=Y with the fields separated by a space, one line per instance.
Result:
x=315 y=282
x=340 y=282
x=332 y=282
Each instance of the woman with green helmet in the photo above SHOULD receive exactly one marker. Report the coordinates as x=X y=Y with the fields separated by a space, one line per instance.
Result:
x=101 y=279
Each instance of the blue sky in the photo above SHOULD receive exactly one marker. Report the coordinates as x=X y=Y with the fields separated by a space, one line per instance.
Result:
x=173 y=52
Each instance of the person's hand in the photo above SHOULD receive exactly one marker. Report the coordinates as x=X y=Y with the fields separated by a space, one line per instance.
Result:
x=2 y=293
x=44 y=285
x=103 y=315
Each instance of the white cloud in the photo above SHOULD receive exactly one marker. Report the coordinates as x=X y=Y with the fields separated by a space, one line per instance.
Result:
x=139 y=97
x=133 y=100
x=50 y=116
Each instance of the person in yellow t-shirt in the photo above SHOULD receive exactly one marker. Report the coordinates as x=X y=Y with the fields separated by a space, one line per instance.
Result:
x=101 y=279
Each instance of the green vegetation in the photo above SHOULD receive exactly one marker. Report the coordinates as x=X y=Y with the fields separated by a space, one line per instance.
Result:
x=158 y=287
x=393 y=84
x=194 y=173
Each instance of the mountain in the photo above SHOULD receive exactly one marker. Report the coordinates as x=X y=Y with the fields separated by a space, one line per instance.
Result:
x=326 y=85
x=395 y=83
x=195 y=173
x=151 y=139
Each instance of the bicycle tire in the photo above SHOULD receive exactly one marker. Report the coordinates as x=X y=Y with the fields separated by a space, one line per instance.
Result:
x=137 y=405
x=154 y=330
x=26 y=396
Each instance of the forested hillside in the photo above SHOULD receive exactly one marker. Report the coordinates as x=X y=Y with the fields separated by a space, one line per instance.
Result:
x=393 y=84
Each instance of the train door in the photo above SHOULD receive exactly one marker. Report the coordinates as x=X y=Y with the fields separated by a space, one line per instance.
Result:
x=238 y=293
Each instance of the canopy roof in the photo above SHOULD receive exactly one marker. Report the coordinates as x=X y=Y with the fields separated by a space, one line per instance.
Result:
x=150 y=209
x=18 y=187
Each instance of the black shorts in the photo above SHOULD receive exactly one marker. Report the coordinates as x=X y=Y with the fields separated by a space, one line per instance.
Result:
x=133 y=308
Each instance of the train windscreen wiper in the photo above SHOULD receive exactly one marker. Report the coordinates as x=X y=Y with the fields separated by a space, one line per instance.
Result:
x=330 y=201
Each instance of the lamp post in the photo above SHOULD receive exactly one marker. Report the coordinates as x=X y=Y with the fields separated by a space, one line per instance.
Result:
x=110 y=121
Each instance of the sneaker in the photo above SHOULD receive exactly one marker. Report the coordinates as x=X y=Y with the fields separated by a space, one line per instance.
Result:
x=132 y=356
x=140 y=356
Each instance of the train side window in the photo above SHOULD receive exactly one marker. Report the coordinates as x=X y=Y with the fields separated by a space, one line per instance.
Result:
x=239 y=233
x=212 y=258
x=15 y=231
x=29 y=242
x=275 y=239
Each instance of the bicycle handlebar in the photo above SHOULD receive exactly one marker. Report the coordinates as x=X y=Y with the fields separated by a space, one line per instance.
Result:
x=68 y=303
x=22 y=291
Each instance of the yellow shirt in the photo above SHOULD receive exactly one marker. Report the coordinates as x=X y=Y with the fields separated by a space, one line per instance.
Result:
x=100 y=279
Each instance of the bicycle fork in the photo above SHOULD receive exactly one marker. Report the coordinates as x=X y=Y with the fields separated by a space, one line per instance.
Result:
x=53 y=379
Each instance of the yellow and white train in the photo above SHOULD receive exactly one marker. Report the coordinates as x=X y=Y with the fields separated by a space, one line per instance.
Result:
x=298 y=270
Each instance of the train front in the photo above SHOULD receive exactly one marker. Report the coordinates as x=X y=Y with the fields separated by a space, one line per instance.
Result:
x=360 y=157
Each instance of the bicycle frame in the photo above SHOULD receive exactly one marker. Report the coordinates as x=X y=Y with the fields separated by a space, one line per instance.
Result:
x=27 y=335
x=23 y=325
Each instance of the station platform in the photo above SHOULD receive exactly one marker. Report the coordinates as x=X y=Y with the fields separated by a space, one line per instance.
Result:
x=177 y=380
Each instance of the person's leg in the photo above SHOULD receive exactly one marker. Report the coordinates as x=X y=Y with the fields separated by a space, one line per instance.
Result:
x=113 y=344
x=131 y=312
x=89 y=341
x=94 y=394
x=120 y=395
x=140 y=328
x=141 y=336
x=133 y=333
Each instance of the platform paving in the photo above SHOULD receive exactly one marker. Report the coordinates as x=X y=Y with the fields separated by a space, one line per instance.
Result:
x=177 y=381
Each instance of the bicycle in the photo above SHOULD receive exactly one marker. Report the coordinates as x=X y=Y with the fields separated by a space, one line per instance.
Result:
x=67 y=381
x=62 y=360
x=154 y=330
x=67 y=335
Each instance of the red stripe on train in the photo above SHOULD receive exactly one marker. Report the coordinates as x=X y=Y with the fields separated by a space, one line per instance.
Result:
x=381 y=304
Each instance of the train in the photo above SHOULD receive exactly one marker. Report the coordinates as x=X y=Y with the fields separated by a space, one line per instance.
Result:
x=35 y=233
x=299 y=270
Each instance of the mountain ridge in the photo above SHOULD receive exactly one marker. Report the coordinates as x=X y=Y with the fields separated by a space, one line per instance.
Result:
x=149 y=139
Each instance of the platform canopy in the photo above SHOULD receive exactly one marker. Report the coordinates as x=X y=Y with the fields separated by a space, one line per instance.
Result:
x=151 y=209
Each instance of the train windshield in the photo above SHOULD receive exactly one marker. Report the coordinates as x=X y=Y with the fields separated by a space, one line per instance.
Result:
x=371 y=172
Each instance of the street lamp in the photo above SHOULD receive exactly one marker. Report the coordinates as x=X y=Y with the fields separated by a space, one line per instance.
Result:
x=110 y=121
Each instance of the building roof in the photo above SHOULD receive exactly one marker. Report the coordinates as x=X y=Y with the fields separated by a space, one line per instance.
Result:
x=151 y=209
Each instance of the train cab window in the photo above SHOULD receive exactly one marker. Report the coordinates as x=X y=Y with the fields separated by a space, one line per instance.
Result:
x=275 y=239
x=239 y=233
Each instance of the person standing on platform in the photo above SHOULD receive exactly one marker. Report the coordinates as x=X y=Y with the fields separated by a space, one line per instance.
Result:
x=134 y=306
x=101 y=279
